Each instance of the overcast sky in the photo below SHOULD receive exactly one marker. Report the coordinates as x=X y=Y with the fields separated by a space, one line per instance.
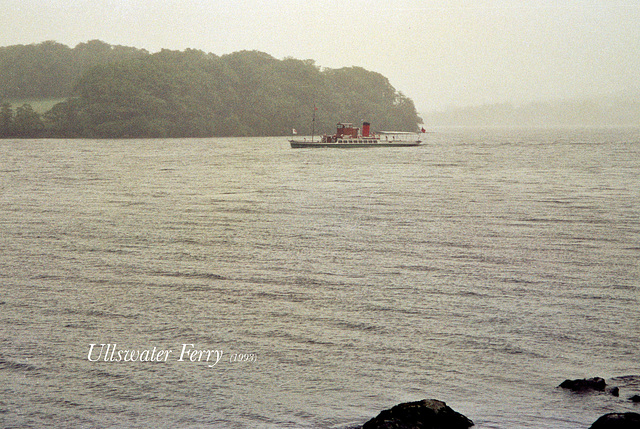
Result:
x=438 y=52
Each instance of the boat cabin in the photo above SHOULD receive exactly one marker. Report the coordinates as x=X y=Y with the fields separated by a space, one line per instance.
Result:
x=347 y=130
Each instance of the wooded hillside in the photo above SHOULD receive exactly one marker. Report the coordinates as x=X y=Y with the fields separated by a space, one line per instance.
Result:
x=115 y=91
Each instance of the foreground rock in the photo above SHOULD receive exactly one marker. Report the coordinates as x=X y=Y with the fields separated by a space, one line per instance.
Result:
x=617 y=421
x=425 y=414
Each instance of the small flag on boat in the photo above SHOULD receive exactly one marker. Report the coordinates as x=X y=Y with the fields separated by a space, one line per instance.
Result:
x=293 y=131
x=423 y=130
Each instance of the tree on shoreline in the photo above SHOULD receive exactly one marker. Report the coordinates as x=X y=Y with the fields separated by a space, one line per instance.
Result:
x=6 y=120
x=25 y=122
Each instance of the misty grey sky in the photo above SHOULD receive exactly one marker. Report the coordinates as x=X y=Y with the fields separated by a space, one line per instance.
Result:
x=438 y=52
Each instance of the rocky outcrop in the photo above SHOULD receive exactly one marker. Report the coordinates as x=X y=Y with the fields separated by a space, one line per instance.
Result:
x=425 y=414
x=596 y=384
x=617 y=421
x=635 y=398
x=585 y=384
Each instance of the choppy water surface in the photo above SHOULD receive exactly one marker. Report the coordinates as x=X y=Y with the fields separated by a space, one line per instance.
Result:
x=482 y=269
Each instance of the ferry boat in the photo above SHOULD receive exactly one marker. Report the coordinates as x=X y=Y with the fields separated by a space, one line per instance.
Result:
x=347 y=136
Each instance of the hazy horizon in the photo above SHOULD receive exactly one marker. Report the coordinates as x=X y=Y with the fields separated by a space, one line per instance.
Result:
x=439 y=53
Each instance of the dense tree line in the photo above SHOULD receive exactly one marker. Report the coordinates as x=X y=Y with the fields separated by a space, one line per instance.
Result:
x=123 y=92
x=51 y=69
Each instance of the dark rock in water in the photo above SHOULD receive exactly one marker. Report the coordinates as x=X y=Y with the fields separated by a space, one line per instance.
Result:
x=425 y=414
x=615 y=391
x=635 y=398
x=585 y=384
x=617 y=421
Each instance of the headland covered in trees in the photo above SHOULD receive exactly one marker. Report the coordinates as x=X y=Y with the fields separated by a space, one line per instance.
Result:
x=106 y=91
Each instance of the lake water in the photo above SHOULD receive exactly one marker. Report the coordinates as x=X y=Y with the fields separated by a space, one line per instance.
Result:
x=482 y=269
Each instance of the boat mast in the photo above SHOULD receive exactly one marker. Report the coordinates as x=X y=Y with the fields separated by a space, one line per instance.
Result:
x=313 y=122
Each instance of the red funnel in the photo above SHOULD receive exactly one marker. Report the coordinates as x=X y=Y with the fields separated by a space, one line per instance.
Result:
x=365 y=129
